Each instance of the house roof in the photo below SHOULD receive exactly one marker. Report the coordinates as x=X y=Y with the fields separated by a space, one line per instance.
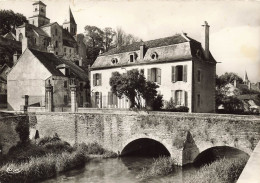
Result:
x=50 y=61
x=39 y=2
x=9 y=35
x=49 y=24
x=68 y=39
x=254 y=97
x=31 y=27
x=175 y=48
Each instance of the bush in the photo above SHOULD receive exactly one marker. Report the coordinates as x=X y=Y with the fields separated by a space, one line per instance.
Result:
x=160 y=166
x=157 y=103
x=220 y=171
x=171 y=106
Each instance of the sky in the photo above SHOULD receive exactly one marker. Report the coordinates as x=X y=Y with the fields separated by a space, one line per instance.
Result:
x=234 y=25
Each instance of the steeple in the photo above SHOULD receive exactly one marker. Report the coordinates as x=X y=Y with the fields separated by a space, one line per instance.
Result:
x=246 y=78
x=70 y=24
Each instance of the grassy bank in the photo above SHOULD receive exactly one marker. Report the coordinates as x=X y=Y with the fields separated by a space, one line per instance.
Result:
x=160 y=166
x=46 y=158
x=220 y=171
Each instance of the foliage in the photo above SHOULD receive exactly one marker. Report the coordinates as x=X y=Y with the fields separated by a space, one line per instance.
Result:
x=232 y=105
x=171 y=106
x=160 y=166
x=22 y=129
x=220 y=171
x=108 y=36
x=226 y=78
x=9 y=20
x=134 y=86
x=123 y=38
x=157 y=103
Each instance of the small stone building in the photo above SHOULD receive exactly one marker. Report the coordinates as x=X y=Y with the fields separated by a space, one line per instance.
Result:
x=183 y=68
x=34 y=71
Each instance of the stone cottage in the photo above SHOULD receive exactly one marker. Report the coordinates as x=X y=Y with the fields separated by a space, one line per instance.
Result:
x=183 y=68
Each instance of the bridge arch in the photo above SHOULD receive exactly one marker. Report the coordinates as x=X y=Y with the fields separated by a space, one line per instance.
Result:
x=140 y=138
x=214 y=152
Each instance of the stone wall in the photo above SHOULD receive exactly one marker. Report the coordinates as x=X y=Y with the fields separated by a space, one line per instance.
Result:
x=184 y=135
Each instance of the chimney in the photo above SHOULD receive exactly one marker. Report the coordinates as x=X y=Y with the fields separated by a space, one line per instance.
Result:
x=235 y=83
x=205 y=39
x=15 y=57
x=142 y=47
x=50 y=49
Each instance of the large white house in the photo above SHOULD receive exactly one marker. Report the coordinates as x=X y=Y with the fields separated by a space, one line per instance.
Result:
x=183 y=68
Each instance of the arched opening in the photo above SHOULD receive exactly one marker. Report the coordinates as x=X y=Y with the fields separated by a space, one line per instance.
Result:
x=145 y=147
x=218 y=152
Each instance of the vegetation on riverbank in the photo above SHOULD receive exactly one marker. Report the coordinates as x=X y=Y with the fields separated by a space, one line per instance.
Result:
x=44 y=158
x=220 y=171
x=160 y=166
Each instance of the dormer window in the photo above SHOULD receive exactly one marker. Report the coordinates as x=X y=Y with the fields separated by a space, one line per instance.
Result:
x=114 y=60
x=132 y=57
x=154 y=55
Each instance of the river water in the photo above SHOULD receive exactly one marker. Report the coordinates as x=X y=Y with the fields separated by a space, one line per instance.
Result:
x=119 y=170
x=127 y=169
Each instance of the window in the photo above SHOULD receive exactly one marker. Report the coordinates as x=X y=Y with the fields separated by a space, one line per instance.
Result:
x=199 y=75
x=35 y=40
x=179 y=97
x=65 y=99
x=97 y=79
x=64 y=49
x=154 y=75
x=142 y=71
x=179 y=73
x=198 y=100
x=65 y=84
x=36 y=9
x=96 y=98
x=154 y=55
x=131 y=58
x=20 y=37
x=33 y=22
x=56 y=53
x=42 y=10
x=114 y=60
x=56 y=32
x=56 y=44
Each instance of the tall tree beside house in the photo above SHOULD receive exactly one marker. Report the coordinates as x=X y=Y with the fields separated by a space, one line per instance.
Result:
x=9 y=20
x=134 y=86
x=122 y=38
x=108 y=36
x=228 y=77
x=94 y=41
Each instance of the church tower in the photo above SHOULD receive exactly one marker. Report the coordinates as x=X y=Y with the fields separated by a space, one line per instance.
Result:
x=246 y=80
x=70 y=24
x=39 y=14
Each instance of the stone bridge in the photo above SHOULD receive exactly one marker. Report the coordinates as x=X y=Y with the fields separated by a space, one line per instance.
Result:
x=183 y=135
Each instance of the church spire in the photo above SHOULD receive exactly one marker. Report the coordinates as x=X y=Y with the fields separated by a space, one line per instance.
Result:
x=70 y=23
x=246 y=78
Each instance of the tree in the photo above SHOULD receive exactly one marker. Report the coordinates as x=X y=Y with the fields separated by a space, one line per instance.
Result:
x=9 y=20
x=94 y=41
x=226 y=78
x=134 y=86
x=123 y=38
x=108 y=36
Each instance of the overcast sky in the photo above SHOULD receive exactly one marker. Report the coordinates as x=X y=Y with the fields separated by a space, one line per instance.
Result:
x=234 y=25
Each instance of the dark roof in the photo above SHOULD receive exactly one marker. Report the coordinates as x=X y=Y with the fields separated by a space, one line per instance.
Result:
x=49 y=24
x=50 y=61
x=176 y=48
x=36 y=29
x=68 y=39
x=148 y=44
x=39 y=2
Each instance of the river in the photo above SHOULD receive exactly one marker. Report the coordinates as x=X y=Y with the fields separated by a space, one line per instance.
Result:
x=127 y=169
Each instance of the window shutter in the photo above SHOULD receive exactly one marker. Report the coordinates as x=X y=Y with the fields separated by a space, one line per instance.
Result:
x=100 y=79
x=115 y=100
x=185 y=73
x=94 y=79
x=149 y=75
x=159 y=76
x=173 y=74
x=93 y=100
x=173 y=96
x=100 y=99
x=109 y=98
x=186 y=99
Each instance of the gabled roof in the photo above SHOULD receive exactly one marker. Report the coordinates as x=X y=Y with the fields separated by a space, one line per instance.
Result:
x=50 y=62
x=49 y=24
x=31 y=27
x=69 y=18
x=39 y=2
x=175 y=48
x=10 y=35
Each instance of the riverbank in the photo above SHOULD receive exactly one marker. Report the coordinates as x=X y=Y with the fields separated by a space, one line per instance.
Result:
x=46 y=158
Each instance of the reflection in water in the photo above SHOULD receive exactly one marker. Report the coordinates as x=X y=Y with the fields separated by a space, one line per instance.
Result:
x=126 y=170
